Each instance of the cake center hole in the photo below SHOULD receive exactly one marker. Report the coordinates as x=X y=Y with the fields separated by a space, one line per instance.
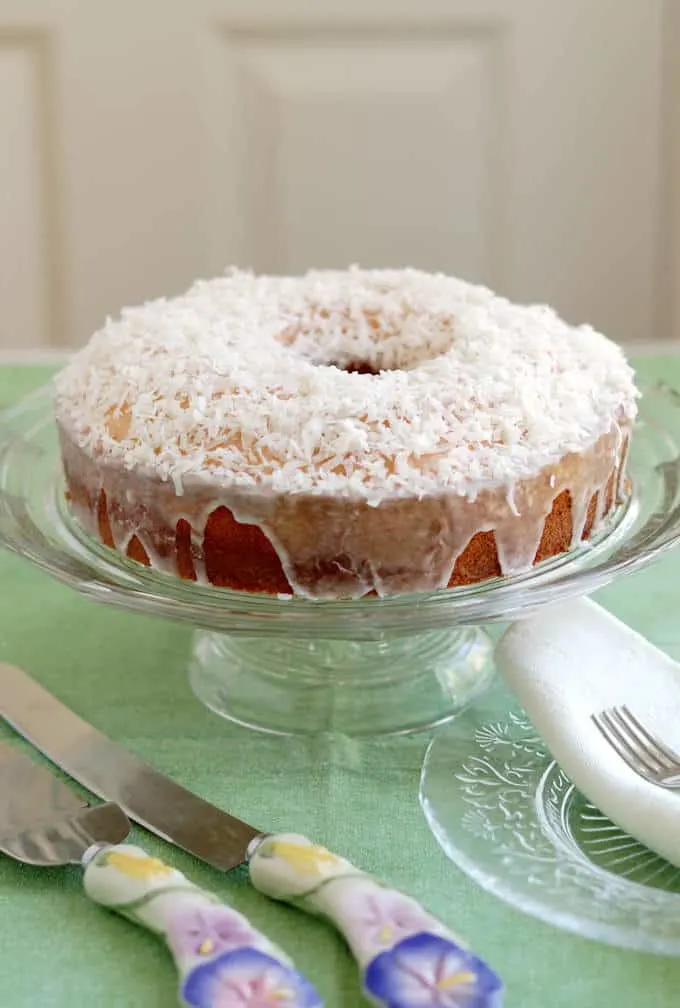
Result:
x=359 y=367
x=368 y=345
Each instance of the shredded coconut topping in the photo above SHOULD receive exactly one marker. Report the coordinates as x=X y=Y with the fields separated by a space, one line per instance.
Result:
x=260 y=382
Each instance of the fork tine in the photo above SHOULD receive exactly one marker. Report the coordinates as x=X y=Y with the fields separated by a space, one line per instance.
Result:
x=620 y=744
x=650 y=751
x=673 y=758
x=641 y=752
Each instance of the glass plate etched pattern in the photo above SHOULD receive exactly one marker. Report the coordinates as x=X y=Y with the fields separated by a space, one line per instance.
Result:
x=507 y=815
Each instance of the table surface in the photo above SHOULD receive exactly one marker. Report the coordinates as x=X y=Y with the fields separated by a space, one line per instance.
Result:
x=126 y=674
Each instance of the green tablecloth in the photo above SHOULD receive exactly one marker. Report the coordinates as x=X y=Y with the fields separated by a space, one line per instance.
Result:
x=125 y=673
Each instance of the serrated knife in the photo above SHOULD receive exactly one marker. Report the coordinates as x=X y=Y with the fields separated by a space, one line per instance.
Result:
x=401 y=949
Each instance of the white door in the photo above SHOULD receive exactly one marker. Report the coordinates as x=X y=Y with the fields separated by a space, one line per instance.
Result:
x=518 y=143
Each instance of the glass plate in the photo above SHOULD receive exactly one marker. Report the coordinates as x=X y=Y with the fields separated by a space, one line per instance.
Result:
x=506 y=814
x=362 y=667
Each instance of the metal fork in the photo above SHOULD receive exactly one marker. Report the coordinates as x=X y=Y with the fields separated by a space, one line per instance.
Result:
x=644 y=752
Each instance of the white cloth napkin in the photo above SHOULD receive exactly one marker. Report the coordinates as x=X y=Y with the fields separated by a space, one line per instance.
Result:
x=573 y=659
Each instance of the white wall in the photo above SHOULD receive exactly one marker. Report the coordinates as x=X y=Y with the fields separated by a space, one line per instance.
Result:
x=521 y=143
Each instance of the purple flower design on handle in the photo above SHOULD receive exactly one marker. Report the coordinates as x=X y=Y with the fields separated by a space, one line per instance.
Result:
x=246 y=978
x=426 y=971
x=207 y=930
x=388 y=917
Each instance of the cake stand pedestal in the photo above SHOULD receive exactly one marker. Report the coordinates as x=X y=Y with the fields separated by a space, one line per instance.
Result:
x=366 y=667
x=383 y=686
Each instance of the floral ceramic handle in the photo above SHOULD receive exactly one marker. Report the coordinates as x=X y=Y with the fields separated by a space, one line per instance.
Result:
x=221 y=958
x=408 y=959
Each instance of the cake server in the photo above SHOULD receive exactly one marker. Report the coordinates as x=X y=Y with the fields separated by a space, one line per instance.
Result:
x=215 y=948
x=403 y=952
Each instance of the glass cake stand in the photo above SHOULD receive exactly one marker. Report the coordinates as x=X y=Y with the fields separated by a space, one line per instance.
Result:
x=367 y=667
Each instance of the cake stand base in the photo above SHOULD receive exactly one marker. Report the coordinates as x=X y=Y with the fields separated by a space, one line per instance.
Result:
x=389 y=686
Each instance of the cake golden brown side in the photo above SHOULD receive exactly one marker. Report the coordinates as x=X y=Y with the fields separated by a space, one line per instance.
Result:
x=232 y=554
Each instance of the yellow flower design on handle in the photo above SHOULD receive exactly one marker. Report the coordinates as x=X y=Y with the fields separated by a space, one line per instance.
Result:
x=308 y=859
x=460 y=978
x=135 y=866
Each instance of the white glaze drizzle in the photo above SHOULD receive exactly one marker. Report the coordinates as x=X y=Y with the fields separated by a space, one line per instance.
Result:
x=419 y=556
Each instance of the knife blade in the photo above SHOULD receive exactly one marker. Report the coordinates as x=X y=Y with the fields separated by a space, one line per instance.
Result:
x=30 y=793
x=383 y=927
x=110 y=771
